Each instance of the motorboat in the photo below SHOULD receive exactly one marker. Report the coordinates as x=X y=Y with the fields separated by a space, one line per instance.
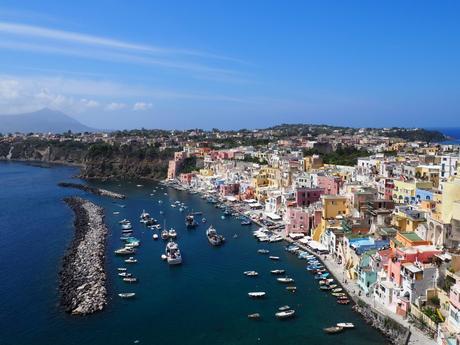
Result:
x=127 y=294
x=124 y=221
x=333 y=329
x=116 y=213
x=126 y=226
x=271 y=257
x=190 y=221
x=121 y=269
x=345 y=325
x=124 y=274
x=255 y=316
x=131 y=260
x=164 y=234
x=263 y=239
x=263 y=251
x=275 y=238
x=125 y=251
x=285 y=280
x=257 y=294
x=155 y=236
x=336 y=289
x=172 y=233
x=246 y=222
x=173 y=254
x=213 y=237
x=144 y=217
x=277 y=271
x=343 y=301
x=285 y=314
x=284 y=308
x=130 y=280
x=251 y=273
x=291 y=288
x=203 y=220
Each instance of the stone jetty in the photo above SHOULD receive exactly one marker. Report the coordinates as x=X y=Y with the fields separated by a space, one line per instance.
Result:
x=93 y=190
x=83 y=277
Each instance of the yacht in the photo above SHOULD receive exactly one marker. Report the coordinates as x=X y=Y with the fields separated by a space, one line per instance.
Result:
x=173 y=254
x=214 y=238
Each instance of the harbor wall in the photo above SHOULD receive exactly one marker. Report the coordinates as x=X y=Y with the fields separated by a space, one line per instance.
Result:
x=83 y=277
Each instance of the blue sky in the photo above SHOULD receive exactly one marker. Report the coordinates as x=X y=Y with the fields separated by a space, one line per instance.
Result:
x=233 y=64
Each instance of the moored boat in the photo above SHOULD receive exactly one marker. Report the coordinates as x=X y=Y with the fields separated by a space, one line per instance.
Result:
x=125 y=251
x=173 y=254
x=285 y=280
x=277 y=271
x=345 y=325
x=285 y=314
x=131 y=260
x=213 y=237
x=284 y=308
x=263 y=251
x=127 y=294
x=254 y=316
x=274 y=258
x=333 y=329
x=256 y=294
x=251 y=273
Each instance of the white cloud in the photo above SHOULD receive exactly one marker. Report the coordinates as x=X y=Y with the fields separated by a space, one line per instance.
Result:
x=140 y=106
x=115 y=106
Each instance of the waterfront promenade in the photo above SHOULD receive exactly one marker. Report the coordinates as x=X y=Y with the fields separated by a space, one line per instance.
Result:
x=417 y=337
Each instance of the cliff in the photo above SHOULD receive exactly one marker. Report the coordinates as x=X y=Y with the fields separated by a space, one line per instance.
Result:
x=97 y=160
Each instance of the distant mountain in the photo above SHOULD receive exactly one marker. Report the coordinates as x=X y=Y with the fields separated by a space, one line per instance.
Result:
x=41 y=121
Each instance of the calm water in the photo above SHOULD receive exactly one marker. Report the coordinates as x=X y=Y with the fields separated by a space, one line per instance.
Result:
x=203 y=301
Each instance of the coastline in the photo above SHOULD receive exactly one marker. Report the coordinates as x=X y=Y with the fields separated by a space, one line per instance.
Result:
x=83 y=277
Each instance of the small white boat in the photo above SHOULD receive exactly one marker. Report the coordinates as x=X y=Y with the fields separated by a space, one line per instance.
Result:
x=263 y=251
x=172 y=233
x=285 y=280
x=121 y=269
x=256 y=294
x=275 y=238
x=155 y=236
x=277 y=271
x=130 y=280
x=125 y=251
x=127 y=294
x=345 y=325
x=131 y=260
x=116 y=212
x=251 y=273
x=163 y=257
x=285 y=314
x=284 y=308
x=274 y=257
x=139 y=185
x=124 y=274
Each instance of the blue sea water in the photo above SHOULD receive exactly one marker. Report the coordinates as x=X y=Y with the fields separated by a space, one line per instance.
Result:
x=203 y=301
x=451 y=132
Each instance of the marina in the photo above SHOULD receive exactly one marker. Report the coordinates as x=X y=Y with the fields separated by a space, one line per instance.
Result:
x=198 y=282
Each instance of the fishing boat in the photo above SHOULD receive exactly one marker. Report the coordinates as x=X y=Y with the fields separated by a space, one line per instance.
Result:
x=251 y=273
x=214 y=238
x=277 y=271
x=284 y=308
x=127 y=294
x=131 y=260
x=125 y=251
x=255 y=316
x=190 y=221
x=164 y=234
x=257 y=294
x=173 y=254
x=274 y=257
x=333 y=329
x=172 y=233
x=285 y=314
x=285 y=280
x=346 y=325
x=263 y=251
x=130 y=280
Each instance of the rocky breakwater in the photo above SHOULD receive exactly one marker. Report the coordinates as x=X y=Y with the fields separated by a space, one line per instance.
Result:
x=93 y=190
x=83 y=278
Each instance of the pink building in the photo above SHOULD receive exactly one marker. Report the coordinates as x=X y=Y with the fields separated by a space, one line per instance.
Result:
x=307 y=196
x=330 y=184
x=301 y=220
x=174 y=164
x=229 y=189
x=186 y=178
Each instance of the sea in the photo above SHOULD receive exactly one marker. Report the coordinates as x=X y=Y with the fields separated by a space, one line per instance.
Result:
x=454 y=133
x=202 y=301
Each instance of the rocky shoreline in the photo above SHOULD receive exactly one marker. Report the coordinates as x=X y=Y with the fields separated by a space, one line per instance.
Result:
x=93 y=190
x=83 y=278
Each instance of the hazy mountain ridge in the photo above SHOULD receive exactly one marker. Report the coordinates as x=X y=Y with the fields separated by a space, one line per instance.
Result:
x=41 y=121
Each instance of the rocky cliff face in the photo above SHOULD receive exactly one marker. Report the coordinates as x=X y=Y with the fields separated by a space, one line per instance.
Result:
x=97 y=161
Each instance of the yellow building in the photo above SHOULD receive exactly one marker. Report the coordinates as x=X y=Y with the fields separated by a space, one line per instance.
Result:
x=428 y=173
x=450 y=205
x=206 y=172
x=405 y=192
x=333 y=206
x=312 y=162
x=407 y=219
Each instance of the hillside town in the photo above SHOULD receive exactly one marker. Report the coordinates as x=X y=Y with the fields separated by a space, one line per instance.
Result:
x=389 y=223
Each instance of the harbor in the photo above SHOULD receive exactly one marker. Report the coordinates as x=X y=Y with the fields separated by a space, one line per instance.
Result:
x=203 y=299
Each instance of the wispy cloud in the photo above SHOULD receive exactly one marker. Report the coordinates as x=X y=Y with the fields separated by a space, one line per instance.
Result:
x=141 y=106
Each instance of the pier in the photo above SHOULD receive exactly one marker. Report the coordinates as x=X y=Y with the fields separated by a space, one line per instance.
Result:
x=83 y=277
